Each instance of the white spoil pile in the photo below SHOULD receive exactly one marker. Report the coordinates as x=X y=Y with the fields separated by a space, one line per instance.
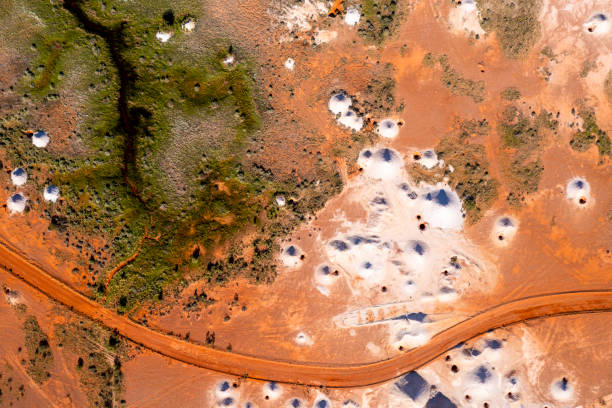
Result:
x=51 y=193
x=19 y=176
x=352 y=16
x=388 y=128
x=40 y=139
x=16 y=203
x=578 y=191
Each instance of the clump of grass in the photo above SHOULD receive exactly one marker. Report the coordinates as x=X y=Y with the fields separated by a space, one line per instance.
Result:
x=380 y=19
x=522 y=138
x=99 y=353
x=470 y=177
x=40 y=357
x=454 y=81
x=587 y=67
x=608 y=86
x=511 y=94
x=515 y=24
x=549 y=53
x=589 y=134
x=378 y=97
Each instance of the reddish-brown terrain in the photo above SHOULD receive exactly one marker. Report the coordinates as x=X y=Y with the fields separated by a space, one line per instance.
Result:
x=558 y=263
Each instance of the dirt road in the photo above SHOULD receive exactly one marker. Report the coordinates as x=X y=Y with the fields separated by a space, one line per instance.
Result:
x=303 y=373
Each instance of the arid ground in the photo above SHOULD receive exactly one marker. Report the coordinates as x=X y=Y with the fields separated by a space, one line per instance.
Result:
x=310 y=183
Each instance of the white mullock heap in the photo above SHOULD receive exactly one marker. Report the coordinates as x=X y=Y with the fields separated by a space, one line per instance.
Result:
x=229 y=60
x=272 y=390
x=351 y=120
x=19 y=176
x=51 y=193
x=382 y=164
x=465 y=18
x=578 y=191
x=562 y=389
x=290 y=64
x=163 y=36
x=339 y=103
x=16 y=203
x=291 y=256
x=189 y=25
x=280 y=200
x=352 y=16
x=409 y=252
x=427 y=158
x=303 y=339
x=40 y=139
x=598 y=24
x=504 y=230
x=388 y=128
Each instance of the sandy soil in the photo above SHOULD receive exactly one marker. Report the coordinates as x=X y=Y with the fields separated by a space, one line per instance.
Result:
x=557 y=246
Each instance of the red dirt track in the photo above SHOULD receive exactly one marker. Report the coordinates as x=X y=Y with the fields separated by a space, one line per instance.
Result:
x=505 y=314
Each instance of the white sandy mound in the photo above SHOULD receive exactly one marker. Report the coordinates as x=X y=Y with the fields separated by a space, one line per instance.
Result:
x=40 y=139
x=16 y=203
x=598 y=24
x=427 y=158
x=189 y=25
x=163 y=36
x=562 y=390
x=290 y=64
x=579 y=192
x=272 y=390
x=339 y=103
x=303 y=339
x=504 y=230
x=383 y=164
x=295 y=403
x=322 y=402
x=324 y=275
x=388 y=128
x=465 y=18
x=352 y=16
x=51 y=193
x=280 y=200
x=291 y=256
x=411 y=337
x=300 y=16
x=351 y=120
x=19 y=176
x=442 y=208
x=405 y=256
x=324 y=36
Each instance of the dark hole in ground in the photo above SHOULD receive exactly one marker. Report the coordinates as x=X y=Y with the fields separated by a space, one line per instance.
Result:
x=168 y=17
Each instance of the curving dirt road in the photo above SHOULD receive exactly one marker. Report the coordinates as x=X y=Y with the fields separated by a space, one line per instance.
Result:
x=303 y=373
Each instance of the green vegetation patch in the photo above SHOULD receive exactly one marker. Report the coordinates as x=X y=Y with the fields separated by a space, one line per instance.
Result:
x=587 y=67
x=40 y=357
x=378 y=96
x=454 y=81
x=608 y=86
x=514 y=22
x=379 y=19
x=511 y=94
x=138 y=95
x=589 y=134
x=11 y=392
x=99 y=353
x=470 y=176
x=522 y=137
